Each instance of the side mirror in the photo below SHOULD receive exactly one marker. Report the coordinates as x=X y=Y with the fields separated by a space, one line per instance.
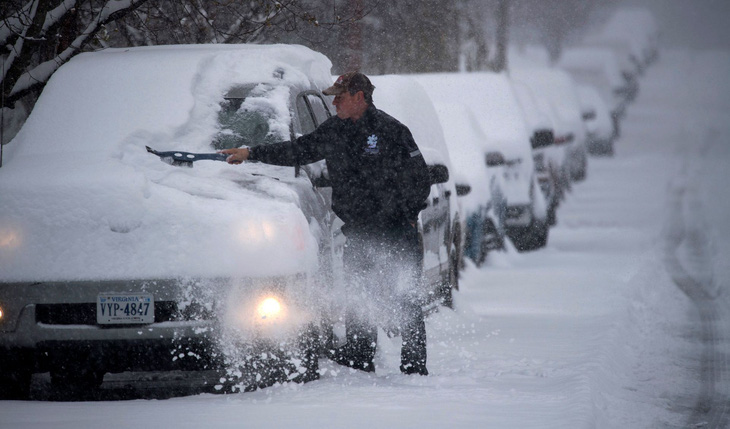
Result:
x=589 y=115
x=462 y=189
x=438 y=173
x=542 y=138
x=494 y=159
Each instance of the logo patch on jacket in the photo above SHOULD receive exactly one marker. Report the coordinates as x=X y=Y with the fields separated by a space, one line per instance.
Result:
x=372 y=147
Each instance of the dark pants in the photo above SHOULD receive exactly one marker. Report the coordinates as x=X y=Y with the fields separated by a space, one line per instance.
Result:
x=383 y=275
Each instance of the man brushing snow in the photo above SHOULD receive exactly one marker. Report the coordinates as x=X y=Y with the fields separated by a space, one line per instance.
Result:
x=380 y=182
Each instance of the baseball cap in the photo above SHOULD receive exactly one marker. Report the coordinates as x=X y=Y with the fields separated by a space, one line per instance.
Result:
x=352 y=82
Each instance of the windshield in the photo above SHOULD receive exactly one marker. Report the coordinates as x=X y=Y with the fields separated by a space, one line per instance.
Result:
x=253 y=115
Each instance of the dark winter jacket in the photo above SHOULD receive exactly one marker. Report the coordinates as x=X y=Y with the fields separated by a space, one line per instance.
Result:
x=379 y=177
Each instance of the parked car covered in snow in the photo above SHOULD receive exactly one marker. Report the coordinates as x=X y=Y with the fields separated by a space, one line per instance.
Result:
x=559 y=89
x=484 y=206
x=599 y=67
x=491 y=98
x=599 y=126
x=121 y=262
x=635 y=27
x=440 y=222
x=551 y=161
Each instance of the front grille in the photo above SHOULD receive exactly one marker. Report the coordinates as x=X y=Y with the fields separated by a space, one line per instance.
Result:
x=85 y=313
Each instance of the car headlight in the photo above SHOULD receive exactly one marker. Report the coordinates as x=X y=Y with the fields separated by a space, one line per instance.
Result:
x=9 y=238
x=257 y=232
x=265 y=232
x=269 y=308
x=264 y=311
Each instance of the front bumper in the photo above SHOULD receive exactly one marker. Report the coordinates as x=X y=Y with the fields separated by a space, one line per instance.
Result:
x=53 y=325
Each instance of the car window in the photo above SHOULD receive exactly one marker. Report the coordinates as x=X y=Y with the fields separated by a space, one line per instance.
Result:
x=305 y=116
x=312 y=111
x=321 y=113
x=253 y=115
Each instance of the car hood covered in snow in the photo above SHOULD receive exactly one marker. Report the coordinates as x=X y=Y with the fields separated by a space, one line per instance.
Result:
x=81 y=198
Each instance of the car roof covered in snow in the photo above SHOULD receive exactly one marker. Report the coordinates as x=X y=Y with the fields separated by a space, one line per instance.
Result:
x=403 y=98
x=593 y=59
x=98 y=99
x=559 y=88
x=493 y=102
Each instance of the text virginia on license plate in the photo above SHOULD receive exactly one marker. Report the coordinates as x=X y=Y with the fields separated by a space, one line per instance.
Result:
x=125 y=308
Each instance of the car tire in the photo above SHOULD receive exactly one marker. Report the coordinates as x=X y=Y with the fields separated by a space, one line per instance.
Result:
x=309 y=347
x=15 y=384
x=531 y=238
x=450 y=282
x=552 y=215
x=76 y=380
x=491 y=241
x=262 y=363
x=79 y=383
x=580 y=173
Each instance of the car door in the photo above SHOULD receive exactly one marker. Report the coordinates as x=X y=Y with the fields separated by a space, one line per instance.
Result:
x=312 y=111
x=435 y=230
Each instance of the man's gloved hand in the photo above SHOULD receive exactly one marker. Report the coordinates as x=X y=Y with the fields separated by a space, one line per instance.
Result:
x=236 y=155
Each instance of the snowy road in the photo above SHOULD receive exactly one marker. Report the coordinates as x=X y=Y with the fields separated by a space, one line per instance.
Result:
x=622 y=321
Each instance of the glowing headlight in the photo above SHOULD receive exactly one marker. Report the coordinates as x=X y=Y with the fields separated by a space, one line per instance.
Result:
x=1 y=314
x=257 y=232
x=269 y=308
x=9 y=238
x=266 y=232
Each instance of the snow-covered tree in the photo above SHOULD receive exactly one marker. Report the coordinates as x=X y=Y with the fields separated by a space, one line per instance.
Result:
x=38 y=36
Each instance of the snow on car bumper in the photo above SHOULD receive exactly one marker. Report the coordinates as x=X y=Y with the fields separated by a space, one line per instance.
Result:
x=49 y=323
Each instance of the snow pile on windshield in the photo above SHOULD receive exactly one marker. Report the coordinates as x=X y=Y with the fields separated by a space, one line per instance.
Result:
x=83 y=199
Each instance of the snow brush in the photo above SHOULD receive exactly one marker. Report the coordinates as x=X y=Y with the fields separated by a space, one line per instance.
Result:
x=186 y=159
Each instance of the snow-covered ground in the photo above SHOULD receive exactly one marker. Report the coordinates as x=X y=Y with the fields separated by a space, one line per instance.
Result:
x=592 y=331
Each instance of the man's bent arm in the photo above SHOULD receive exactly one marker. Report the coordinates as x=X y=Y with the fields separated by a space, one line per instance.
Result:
x=304 y=150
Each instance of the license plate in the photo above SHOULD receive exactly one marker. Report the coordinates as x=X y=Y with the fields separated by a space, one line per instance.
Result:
x=125 y=308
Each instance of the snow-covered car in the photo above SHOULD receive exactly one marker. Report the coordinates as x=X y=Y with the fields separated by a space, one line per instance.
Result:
x=113 y=261
x=484 y=206
x=551 y=160
x=628 y=62
x=599 y=126
x=599 y=66
x=558 y=88
x=636 y=28
x=442 y=234
x=491 y=98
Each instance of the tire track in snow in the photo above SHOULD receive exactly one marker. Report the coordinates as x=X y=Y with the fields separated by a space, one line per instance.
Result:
x=688 y=259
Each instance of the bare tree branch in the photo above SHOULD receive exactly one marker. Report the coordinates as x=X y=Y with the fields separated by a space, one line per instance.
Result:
x=20 y=79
